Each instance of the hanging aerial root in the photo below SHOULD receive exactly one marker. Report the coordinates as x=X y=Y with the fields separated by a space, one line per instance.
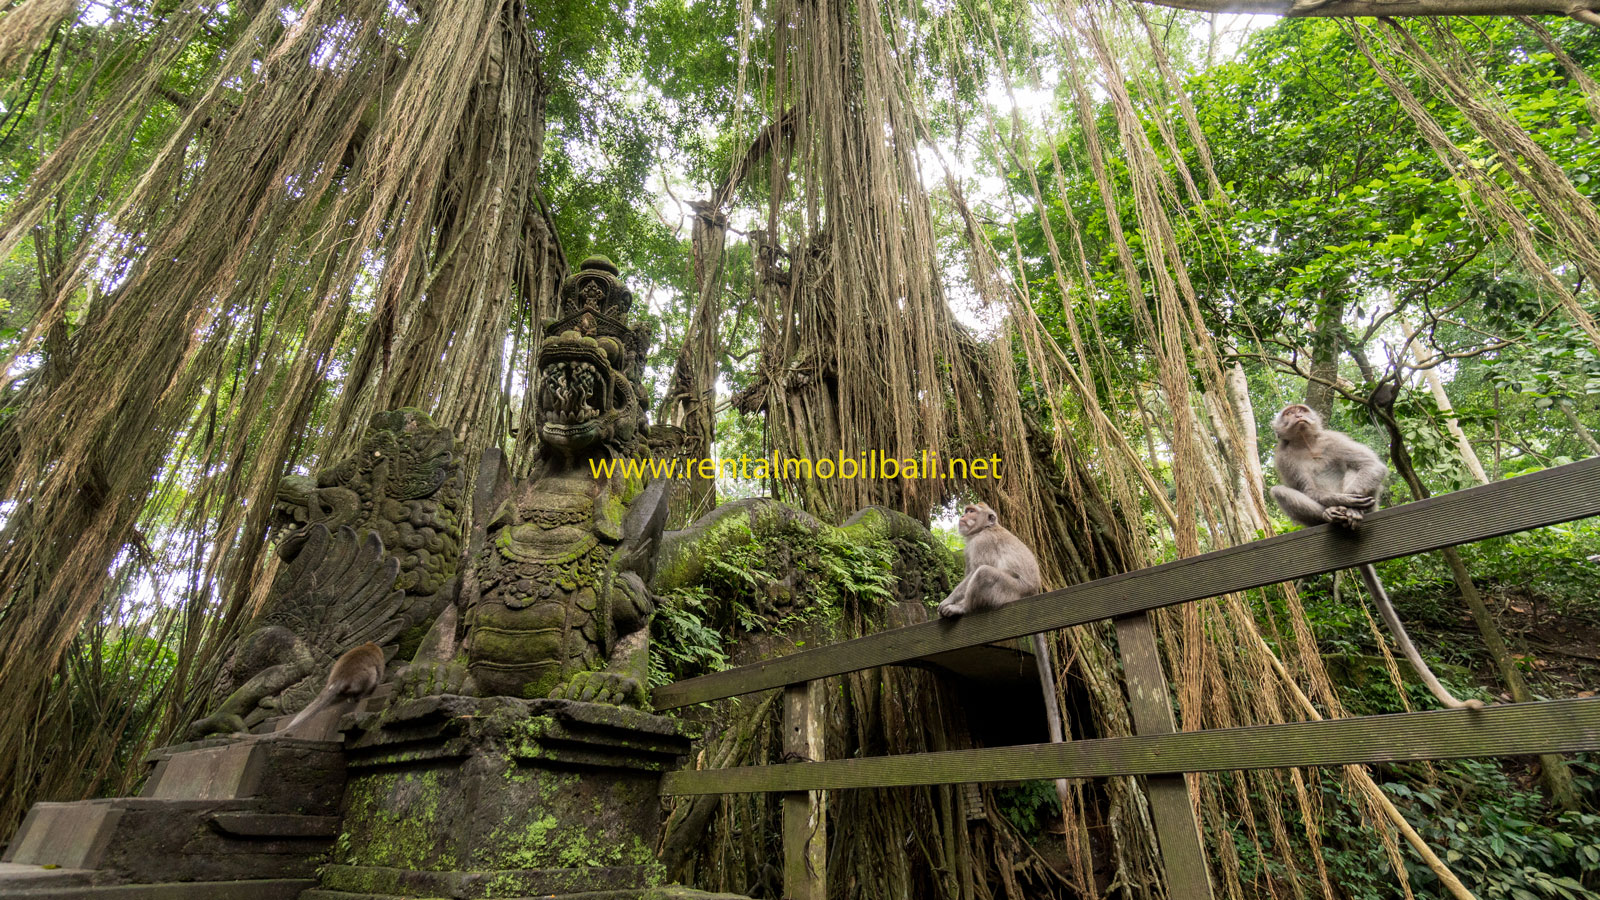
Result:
x=1370 y=789
x=26 y=27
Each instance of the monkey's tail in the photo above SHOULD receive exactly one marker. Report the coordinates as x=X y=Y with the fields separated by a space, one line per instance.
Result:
x=1386 y=609
x=329 y=694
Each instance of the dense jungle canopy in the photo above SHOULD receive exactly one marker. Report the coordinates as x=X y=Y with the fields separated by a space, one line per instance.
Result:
x=1103 y=241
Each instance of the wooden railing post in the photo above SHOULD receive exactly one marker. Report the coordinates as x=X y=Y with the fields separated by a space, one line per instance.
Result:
x=1177 y=834
x=805 y=839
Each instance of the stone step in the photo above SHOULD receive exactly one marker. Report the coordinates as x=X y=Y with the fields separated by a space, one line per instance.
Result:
x=230 y=771
x=260 y=811
x=69 y=836
x=284 y=774
x=18 y=877
x=143 y=839
x=23 y=882
x=664 y=892
x=275 y=825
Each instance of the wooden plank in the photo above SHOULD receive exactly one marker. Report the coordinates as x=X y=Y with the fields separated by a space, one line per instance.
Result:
x=1008 y=665
x=1512 y=729
x=1554 y=495
x=805 y=841
x=1183 y=855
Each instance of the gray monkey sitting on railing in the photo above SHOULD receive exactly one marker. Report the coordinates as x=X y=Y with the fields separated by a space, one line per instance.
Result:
x=1328 y=477
x=1000 y=568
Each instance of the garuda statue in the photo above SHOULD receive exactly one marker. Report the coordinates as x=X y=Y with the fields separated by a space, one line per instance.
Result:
x=553 y=602
x=371 y=554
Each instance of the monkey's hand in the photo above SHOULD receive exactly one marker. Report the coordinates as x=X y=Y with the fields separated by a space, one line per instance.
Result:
x=1361 y=502
x=601 y=687
x=1344 y=516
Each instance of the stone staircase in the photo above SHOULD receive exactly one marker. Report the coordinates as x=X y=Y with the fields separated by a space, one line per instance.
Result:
x=227 y=817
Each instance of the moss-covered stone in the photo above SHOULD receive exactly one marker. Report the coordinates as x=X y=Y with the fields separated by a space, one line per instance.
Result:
x=758 y=569
x=498 y=797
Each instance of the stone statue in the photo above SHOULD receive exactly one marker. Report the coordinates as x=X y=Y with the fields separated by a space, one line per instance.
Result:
x=506 y=762
x=554 y=603
x=404 y=484
x=372 y=556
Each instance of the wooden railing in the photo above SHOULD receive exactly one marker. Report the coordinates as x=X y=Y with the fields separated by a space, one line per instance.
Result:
x=1156 y=750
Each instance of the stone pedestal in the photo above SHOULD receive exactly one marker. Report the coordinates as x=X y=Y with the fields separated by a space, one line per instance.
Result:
x=218 y=817
x=468 y=798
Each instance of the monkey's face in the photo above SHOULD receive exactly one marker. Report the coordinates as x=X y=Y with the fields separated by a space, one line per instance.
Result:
x=1297 y=420
x=976 y=518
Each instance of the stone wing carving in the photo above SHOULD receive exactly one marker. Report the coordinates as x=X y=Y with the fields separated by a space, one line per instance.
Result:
x=403 y=482
x=338 y=592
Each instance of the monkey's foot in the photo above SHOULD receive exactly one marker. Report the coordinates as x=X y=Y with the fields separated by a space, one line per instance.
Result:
x=950 y=610
x=601 y=687
x=1344 y=516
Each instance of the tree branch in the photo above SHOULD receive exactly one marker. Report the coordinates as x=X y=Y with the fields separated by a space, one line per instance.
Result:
x=1583 y=10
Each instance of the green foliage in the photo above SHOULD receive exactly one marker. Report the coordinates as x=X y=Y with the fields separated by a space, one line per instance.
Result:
x=1542 y=573
x=782 y=577
x=1496 y=834
x=1494 y=831
x=680 y=641
x=1549 y=566
x=117 y=675
x=862 y=571
x=1484 y=817
x=1340 y=214
x=1032 y=806
x=951 y=540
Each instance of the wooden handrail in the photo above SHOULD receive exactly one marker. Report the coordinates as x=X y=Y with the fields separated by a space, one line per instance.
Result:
x=1551 y=726
x=1530 y=501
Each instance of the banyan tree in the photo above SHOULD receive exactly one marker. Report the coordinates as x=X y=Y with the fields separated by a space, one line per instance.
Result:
x=237 y=237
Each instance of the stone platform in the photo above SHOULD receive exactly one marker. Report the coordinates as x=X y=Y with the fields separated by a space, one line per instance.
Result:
x=442 y=797
x=25 y=882
x=470 y=798
x=225 y=817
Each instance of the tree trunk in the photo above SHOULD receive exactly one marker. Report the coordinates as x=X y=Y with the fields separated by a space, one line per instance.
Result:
x=1554 y=775
x=692 y=391
x=1577 y=425
x=1325 y=345
x=1239 y=394
x=1442 y=400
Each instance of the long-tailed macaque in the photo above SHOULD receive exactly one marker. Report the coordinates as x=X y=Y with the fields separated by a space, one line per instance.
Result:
x=1000 y=568
x=1327 y=477
x=354 y=675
